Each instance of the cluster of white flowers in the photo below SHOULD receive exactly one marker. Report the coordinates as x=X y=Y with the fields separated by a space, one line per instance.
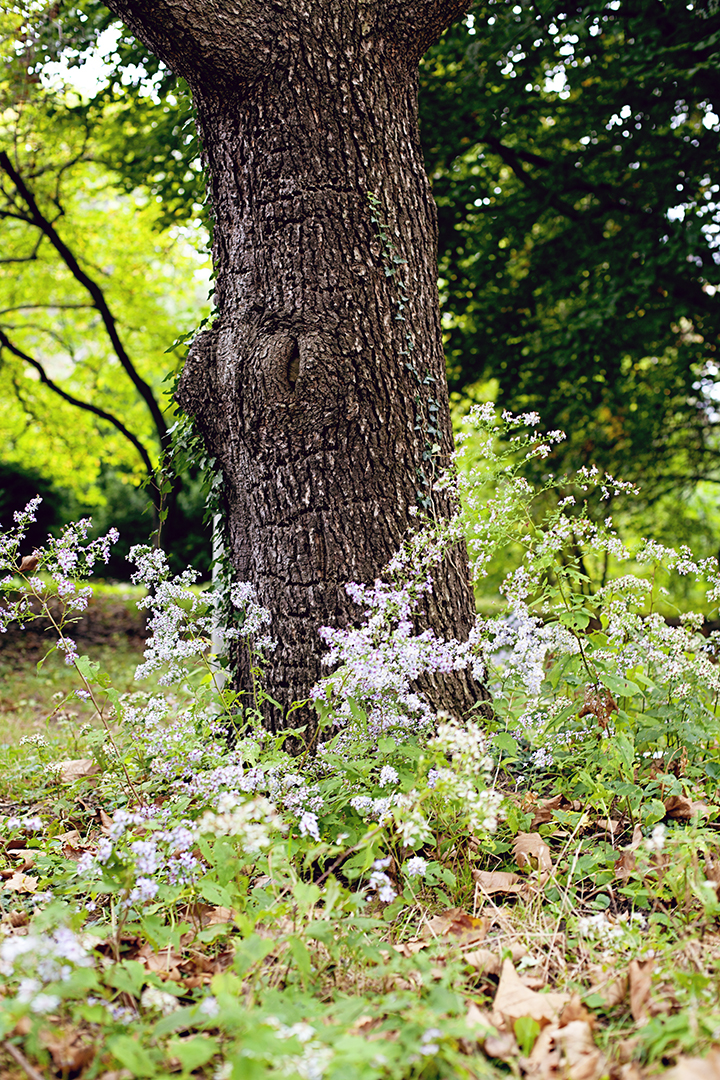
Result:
x=315 y=1059
x=380 y=883
x=255 y=618
x=606 y=930
x=181 y=622
x=468 y=779
x=144 y=849
x=63 y=559
x=39 y=959
x=253 y=822
x=656 y=841
x=465 y=744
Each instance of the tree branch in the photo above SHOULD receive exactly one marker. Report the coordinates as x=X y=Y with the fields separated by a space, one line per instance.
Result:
x=46 y=227
x=43 y=307
x=418 y=24
x=204 y=39
x=6 y=343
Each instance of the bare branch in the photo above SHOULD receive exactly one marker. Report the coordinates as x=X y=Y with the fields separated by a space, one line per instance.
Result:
x=6 y=343
x=45 y=307
x=100 y=303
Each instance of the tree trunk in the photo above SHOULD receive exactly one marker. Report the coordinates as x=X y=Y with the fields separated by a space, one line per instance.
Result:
x=321 y=386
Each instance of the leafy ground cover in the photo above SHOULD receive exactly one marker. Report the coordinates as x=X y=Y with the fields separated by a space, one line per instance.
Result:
x=534 y=892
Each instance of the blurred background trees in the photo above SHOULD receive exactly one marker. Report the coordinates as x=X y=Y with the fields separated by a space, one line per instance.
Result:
x=572 y=150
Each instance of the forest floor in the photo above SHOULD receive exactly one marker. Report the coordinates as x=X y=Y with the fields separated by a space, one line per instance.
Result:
x=575 y=943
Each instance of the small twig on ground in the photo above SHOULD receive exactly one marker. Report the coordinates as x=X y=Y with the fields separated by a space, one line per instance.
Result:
x=22 y=1061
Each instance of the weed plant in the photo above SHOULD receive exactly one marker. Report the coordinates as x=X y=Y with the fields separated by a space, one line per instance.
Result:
x=178 y=903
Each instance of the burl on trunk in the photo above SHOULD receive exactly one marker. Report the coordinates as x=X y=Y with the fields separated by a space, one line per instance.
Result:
x=320 y=395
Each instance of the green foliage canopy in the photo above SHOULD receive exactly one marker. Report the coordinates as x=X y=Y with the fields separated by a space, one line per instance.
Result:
x=573 y=154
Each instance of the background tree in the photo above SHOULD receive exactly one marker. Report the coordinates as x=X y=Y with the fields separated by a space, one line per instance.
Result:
x=573 y=153
x=84 y=284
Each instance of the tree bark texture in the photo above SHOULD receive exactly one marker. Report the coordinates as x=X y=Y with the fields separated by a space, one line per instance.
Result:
x=321 y=385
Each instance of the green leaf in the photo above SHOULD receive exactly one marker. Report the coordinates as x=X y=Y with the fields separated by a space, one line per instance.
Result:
x=619 y=686
x=505 y=743
x=132 y=1055
x=192 y=1053
x=526 y=1032
x=128 y=975
x=216 y=894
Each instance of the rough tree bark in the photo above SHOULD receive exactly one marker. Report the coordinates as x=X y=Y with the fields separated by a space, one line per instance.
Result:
x=303 y=388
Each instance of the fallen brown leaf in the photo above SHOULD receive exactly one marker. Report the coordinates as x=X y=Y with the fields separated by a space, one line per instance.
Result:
x=502 y=1046
x=530 y=850
x=499 y=881
x=695 y=1068
x=640 y=977
x=363 y=1025
x=625 y=865
x=513 y=999
x=544 y=811
x=485 y=961
x=68 y=1051
x=76 y=769
x=478 y=1019
x=489 y=963
x=680 y=808
x=204 y=915
x=20 y=882
x=580 y=1056
x=712 y=872
x=626 y=1050
x=409 y=948
x=456 y=924
x=630 y=1071
x=18 y=918
x=615 y=992
x=164 y=963
x=637 y=838
x=575 y=1010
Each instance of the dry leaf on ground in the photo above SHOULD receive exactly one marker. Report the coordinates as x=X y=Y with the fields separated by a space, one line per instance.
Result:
x=626 y=865
x=490 y=963
x=680 y=808
x=499 y=881
x=20 y=882
x=544 y=812
x=712 y=872
x=640 y=976
x=456 y=924
x=502 y=1046
x=513 y=1000
x=575 y=1010
x=409 y=948
x=530 y=850
x=637 y=838
x=203 y=915
x=76 y=769
x=69 y=1051
x=479 y=1019
x=579 y=1055
x=612 y=990
x=695 y=1068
